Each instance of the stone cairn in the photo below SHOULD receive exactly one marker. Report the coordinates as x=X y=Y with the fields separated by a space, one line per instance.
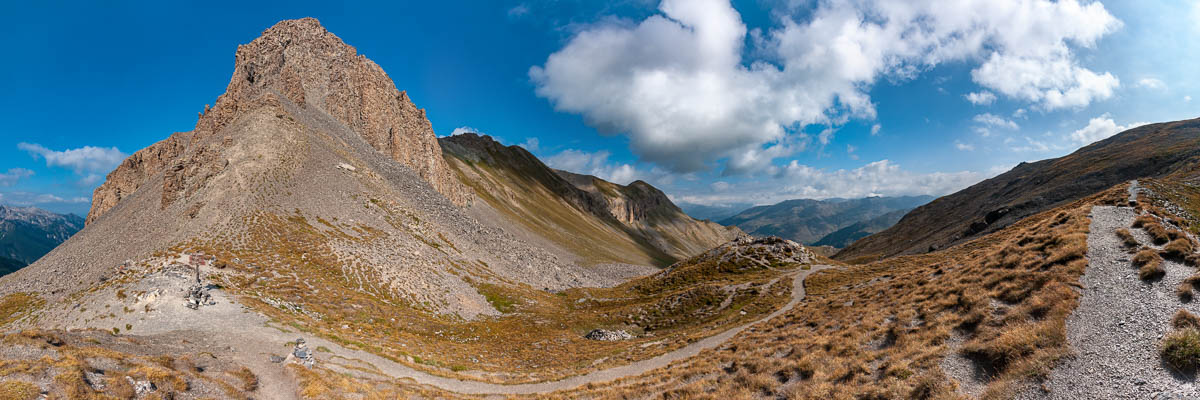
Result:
x=197 y=295
x=301 y=354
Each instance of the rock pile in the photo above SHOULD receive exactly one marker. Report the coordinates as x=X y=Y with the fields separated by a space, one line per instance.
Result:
x=607 y=335
x=197 y=296
x=301 y=354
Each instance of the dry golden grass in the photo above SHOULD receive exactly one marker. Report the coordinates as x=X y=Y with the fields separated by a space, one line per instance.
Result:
x=69 y=355
x=539 y=335
x=880 y=330
x=1184 y=291
x=320 y=384
x=1149 y=264
x=247 y=377
x=1127 y=238
x=18 y=390
x=1158 y=234
x=1185 y=319
x=1178 y=248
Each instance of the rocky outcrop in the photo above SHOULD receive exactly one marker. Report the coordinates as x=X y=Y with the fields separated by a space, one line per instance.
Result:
x=300 y=62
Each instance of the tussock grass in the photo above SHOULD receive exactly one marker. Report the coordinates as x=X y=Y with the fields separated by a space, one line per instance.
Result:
x=1184 y=319
x=1158 y=234
x=1181 y=349
x=1178 y=248
x=1184 y=292
x=1127 y=238
x=1149 y=265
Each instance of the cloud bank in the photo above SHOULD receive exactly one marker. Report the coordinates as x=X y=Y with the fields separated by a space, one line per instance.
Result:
x=678 y=83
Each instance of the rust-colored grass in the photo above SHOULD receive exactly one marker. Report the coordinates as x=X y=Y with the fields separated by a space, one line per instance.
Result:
x=880 y=330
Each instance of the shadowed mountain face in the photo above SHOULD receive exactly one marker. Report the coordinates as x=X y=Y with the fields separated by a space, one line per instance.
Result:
x=809 y=221
x=1147 y=151
x=27 y=233
x=597 y=220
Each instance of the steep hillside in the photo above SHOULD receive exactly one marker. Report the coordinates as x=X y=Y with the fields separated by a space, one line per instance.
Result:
x=1147 y=151
x=600 y=221
x=27 y=233
x=308 y=130
x=808 y=221
x=845 y=236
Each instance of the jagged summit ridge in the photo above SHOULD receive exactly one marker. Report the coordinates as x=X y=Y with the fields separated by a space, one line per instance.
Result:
x=301 y=62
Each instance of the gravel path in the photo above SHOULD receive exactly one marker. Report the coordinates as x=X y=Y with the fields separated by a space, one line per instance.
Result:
x=635 y=368
x=1120 y=319
x=209 y=329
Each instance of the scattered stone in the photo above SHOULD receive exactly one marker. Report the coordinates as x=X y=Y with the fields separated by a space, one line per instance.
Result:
x=276 y=359
x=607 y=335
x=140 y=387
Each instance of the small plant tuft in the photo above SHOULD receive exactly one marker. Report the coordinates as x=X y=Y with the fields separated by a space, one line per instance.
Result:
x=1181 y=349
x=1184 y=319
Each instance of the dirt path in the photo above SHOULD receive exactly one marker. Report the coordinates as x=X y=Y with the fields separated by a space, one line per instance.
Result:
x=1120 y=319
x=230 y=330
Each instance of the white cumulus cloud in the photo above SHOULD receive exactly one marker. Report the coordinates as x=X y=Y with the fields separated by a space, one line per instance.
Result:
x=596 y=164
x=464 y=129
x=1100 y=128
x=678 y=85
x=82 y=160
x=981 y=98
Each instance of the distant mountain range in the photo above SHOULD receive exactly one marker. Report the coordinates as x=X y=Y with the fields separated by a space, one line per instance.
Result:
x=833 y=222
x=27 y=234
x=1153 y=150
x=713 y=212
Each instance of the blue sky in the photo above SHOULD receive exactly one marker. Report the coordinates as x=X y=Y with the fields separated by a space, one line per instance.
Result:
x=755 y=101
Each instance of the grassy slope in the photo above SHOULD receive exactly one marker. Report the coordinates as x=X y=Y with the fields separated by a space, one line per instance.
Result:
x=539 y=336
x=1029 y=188
x=880 y=330
x=575 y=213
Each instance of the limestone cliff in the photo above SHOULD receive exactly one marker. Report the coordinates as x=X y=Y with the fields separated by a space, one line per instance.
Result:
x=297 y=61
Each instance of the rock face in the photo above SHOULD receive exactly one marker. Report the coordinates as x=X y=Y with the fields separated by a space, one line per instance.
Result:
x=300 y=62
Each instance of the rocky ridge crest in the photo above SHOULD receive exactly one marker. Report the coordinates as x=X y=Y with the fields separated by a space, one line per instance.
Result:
x=300 y=62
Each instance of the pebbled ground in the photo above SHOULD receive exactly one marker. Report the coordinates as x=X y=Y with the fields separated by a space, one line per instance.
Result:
x=1120 y=320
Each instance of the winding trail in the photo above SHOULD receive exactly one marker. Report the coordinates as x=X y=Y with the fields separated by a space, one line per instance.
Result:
x=232 y=331
x=604 y=375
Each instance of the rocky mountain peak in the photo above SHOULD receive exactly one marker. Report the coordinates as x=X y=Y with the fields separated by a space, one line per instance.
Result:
x=302 y=63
